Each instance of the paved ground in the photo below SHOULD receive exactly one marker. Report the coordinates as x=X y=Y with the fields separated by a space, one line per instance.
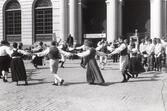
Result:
x=146 y=93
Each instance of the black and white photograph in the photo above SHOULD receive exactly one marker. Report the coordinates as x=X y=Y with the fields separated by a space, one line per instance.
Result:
x=83 y=55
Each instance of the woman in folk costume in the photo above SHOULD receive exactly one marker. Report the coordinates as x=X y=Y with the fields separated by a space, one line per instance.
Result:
x=37 y=61
x=93 y=73
x=123 y=51
x=18 y=71
x=135 y=66
x=4 y=59
x=54 y=55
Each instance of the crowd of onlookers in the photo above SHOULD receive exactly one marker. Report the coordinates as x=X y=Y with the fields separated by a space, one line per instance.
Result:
x=151 y=52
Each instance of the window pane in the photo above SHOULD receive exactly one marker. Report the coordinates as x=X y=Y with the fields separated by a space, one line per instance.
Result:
x=13 y=25
x=43 y=22
x=43 y=3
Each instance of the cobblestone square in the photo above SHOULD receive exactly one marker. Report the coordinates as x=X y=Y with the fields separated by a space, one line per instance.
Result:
x=146 y=93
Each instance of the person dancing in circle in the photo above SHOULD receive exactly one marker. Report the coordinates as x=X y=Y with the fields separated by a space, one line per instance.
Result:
x=54 y=55
x=93 y=72
x=18 y=70
x=123 y=51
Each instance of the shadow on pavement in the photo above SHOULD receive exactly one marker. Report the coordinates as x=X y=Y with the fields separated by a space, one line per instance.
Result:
x=73 y=83
x=38 y=83
x=149 y=80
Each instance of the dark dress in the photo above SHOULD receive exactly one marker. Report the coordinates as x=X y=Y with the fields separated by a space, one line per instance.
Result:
x=38 y=61
x=17 y=67
x=135 y=65
x=93 y=73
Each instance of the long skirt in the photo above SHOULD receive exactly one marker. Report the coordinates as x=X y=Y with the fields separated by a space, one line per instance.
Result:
x=93 y=72
x=135 y=66
x=37 y=60
x=18 y=70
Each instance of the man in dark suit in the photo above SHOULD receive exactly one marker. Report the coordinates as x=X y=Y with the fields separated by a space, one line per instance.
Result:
x=70 y=41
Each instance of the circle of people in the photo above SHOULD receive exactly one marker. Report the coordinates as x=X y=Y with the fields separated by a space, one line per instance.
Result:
x=135 y=57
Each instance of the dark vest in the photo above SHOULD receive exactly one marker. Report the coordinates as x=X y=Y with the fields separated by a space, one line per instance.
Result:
x=104 y=49
x=16 y=53
x=124 y=52
x=54 y=53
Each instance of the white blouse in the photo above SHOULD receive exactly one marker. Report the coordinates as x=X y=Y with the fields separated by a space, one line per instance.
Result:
x=5 y=50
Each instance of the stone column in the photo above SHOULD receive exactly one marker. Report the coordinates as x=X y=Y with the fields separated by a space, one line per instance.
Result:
x=111 y=20
x=120 y=18
x=79 y=39
x=64 y=20
x=73 y=19
x=156 y=22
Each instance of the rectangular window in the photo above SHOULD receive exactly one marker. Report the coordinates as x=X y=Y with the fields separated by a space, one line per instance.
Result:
x=43 y=23
x=13 y=25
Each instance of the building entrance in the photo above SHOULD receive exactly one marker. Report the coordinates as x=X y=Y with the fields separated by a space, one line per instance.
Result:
x=94 y=19
x=136 y=15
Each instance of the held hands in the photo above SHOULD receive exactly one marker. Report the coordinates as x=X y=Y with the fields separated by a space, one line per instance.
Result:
x=109 y=55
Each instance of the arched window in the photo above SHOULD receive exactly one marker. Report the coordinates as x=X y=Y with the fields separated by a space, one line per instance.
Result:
x=43 y=20
x=13 y=21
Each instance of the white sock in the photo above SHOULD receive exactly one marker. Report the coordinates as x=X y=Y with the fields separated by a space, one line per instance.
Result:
x=57 y=77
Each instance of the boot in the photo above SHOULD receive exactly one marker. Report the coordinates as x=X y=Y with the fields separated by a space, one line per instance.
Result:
x=62 y=63
x=26 y=83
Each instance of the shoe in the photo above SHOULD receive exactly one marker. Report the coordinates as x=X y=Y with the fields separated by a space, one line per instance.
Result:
x=129 y=76
x=17 y=84
x=61 y=82
x=62 y=66
x=35 y=66
x=26 y=83
x=91 y=83
x=5 y=80
x=102 y=68
x=123 y=81
x=55 y=84
x=83 y=66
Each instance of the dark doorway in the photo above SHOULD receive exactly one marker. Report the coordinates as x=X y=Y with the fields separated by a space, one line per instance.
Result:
x=136 y=15
x=94 y=18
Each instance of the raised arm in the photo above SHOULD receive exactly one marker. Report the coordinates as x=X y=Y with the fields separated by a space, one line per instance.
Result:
x=119 y=49
x=43 y=53
x=100 y=53
x=64 y=52
x=24 y=52
x=84 y=54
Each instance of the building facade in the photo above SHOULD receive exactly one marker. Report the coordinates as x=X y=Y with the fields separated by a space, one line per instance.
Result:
x=30 y=21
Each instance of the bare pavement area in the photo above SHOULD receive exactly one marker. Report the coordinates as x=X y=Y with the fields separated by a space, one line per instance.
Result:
x=148 y=92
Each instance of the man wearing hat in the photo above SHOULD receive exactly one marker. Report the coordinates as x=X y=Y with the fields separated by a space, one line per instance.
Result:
x=122 y=50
